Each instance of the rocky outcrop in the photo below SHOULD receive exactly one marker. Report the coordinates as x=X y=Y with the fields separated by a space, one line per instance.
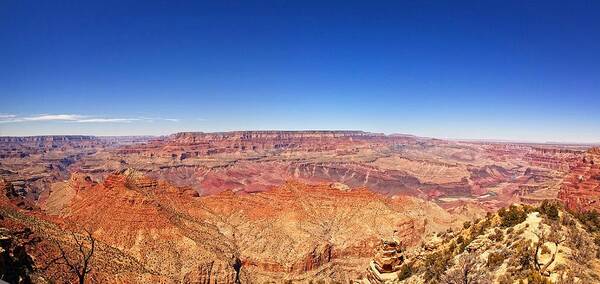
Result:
x=216 y=272
x=544 y=244
x=16 y=194
x=16 y=265
x=320 y=255
x=388 y=260
x=580 y=189
x=594 y=151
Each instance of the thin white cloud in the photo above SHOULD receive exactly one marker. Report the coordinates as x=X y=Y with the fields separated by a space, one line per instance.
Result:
x=88 y=120
x=54 y=117
x=77 y=118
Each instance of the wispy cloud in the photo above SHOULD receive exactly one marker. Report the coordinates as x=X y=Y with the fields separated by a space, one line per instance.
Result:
x=53 y=117
x=88 y=120
x=77 y=118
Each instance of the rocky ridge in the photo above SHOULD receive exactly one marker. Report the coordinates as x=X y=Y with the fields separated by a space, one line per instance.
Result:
x=544 y=244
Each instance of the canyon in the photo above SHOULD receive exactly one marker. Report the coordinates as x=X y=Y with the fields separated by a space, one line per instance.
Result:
x=260 y=206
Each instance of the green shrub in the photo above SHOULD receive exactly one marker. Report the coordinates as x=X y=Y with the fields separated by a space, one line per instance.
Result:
x=513 y=216
x=523 y=255
x=436 y=264
x=550 y=209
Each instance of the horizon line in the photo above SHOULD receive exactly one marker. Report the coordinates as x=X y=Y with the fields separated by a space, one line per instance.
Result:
x=454 y=139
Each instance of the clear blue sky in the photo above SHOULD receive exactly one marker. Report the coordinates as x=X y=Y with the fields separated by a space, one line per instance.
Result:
x=522 y=70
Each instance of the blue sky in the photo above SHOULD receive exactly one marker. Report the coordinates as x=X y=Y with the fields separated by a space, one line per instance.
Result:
x=514 y=70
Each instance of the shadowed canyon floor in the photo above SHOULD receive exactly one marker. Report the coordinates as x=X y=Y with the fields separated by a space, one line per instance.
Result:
x=257 y=206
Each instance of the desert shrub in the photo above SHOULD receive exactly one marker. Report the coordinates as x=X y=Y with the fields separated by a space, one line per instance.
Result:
x=480 y=228
x=506 y=279
x=590 y=219
x=597 y=242
x=462 y=247
x=497 y=236
x=452 y=246
x=509 y=230
x=495 y=259
x=528 y=208
x=405 y=272
x=550 y=209
x=567 y=220
x=536 y=278
x=545 y=249
x=435 y=265
x=466 y=224
x=513 y=216
x=564 y=277
x=460 y=239
x=523 y=255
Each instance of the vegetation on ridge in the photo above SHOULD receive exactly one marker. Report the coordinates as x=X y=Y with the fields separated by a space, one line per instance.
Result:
x=518 y=244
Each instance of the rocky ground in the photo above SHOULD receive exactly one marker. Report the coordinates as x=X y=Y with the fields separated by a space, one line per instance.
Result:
x=519 y=244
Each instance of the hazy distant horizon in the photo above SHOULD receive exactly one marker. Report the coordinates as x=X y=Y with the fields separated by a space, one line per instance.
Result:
x=459 y=139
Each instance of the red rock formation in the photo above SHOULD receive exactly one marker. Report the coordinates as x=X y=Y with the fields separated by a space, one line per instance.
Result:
x=285 y=232
x=580 y=189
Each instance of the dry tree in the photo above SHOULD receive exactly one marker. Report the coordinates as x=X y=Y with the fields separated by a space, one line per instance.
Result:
x=556 y=238
x=79 y=259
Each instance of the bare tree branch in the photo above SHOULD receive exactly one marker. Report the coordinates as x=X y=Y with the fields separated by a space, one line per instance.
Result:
x=80 y=264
